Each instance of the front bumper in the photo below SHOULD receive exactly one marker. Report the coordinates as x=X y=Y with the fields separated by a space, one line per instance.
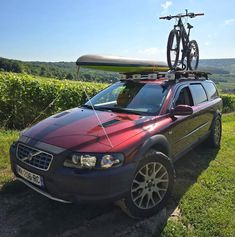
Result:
x=41 y=191
x=71 y=185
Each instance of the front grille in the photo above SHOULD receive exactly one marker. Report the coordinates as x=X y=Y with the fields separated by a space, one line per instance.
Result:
x=34 y=157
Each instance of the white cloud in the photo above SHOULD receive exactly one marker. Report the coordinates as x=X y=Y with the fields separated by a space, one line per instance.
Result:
x=229 y=21
x=166 y=4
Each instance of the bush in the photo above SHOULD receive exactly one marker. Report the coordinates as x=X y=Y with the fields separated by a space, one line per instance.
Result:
x=25 y=99
x=228 y=102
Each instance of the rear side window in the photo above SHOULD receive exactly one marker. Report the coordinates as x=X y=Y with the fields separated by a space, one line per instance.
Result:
x=184 y=97
x=210 y=90
x=199 y=94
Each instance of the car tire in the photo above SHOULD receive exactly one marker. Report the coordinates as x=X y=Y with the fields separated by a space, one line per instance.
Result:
x=151 y=186
x=216 y=132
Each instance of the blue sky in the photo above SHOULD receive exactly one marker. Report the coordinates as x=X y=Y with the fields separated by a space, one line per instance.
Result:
x=63 y=30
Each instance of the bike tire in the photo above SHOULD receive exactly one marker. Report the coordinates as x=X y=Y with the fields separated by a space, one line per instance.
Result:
x=173 y=47
x=193 y=55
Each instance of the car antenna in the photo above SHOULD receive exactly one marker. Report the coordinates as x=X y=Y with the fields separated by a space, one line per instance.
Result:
x=97 y=116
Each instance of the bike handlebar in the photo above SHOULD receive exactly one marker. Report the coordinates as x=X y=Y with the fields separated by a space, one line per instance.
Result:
x=191 y=15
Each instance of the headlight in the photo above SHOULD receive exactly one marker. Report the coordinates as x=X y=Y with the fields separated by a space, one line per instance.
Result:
x=99 y=161
x=81 y=161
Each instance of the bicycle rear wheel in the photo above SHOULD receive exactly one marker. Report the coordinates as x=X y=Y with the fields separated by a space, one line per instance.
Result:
x=193 y=55
x=173 y=49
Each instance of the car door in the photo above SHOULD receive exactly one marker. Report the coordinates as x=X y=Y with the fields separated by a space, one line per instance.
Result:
x=181 y=129
x=202 y=116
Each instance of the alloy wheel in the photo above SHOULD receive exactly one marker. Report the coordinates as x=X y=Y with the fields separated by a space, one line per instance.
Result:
x=149 y=185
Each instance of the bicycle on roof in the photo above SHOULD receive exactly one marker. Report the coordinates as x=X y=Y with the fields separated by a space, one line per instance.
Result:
x=179 y=46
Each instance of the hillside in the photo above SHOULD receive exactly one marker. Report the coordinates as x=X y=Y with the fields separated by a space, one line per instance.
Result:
x=58 y=70
x=227 y=64
x=223 y=71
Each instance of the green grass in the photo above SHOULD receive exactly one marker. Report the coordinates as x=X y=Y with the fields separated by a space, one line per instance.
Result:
x=208 y=207
x=6 y=138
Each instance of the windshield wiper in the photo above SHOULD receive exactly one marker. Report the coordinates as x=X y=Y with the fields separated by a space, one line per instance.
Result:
x=123 y=110
x=97 y=107
x=87 y=106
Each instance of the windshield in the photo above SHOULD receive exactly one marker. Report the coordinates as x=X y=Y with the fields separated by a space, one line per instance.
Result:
x=130 y=97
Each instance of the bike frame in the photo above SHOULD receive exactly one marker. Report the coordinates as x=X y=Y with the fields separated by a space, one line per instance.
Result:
x=184 y=36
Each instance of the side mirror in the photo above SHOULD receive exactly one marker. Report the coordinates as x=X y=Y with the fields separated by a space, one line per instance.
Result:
x=182 y=110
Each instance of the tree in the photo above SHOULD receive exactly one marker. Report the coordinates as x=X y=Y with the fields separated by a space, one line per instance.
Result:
x=69 y=76
x=16 y=67
x=42 y=72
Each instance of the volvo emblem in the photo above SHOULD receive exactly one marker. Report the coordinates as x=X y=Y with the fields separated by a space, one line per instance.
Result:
x=30 y=156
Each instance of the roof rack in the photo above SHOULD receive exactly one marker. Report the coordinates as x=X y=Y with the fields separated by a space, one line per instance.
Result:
x=186 y=74
x=142 y=76
x=169 y=75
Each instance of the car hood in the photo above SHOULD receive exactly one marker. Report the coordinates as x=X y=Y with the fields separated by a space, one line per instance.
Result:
x=79 y=129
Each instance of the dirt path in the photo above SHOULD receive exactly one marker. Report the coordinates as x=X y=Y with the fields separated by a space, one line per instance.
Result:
x=30 y=214
x=25 y=213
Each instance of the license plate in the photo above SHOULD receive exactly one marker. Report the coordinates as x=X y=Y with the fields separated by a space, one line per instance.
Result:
x=31 y=177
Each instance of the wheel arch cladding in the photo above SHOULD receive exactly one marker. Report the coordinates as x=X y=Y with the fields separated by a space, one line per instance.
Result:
x=157 y=142
x=217 y=113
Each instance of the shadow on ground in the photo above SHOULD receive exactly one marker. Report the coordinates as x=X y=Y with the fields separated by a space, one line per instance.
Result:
x=26 y=213
x=188 y=169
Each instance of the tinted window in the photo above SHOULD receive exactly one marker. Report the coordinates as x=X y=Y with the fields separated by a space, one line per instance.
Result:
x=184 y=97
x=211 y=90
x=199 y=94
x=131 y=97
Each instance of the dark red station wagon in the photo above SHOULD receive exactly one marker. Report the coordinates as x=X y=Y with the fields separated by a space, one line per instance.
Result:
x=122 y=144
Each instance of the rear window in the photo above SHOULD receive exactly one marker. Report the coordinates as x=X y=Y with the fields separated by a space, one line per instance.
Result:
x=210 y=90
x=199 y=94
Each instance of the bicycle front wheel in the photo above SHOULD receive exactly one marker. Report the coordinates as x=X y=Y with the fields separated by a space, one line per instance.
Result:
x=193 y=55
x=173 y=49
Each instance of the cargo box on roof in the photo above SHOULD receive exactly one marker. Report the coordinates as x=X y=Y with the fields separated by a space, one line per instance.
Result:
x=120 y=64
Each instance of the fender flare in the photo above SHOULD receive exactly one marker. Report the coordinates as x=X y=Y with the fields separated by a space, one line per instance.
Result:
x=153 y=142
x=215 y=115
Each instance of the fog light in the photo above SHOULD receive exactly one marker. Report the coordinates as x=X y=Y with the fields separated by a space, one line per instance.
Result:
x=108 y=161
